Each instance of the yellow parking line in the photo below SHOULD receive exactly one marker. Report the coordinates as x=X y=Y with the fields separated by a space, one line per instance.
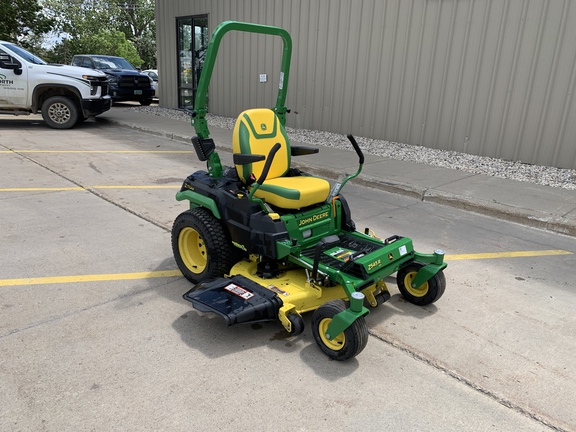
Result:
x=517 y=254
x=174 y=273
x=72 y=188
x=81 y=188
x=89 y=278
x=99 y=151
x=137 y=187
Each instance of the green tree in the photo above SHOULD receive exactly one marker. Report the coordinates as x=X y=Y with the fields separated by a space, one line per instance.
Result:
x=137 y=21
x=83 y=19
x=22 y=20
x=106 y=42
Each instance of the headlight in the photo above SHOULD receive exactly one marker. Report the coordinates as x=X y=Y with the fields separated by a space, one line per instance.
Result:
x=95 y=83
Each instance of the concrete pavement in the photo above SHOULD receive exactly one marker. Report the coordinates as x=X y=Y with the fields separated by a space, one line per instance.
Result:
x=89 y=340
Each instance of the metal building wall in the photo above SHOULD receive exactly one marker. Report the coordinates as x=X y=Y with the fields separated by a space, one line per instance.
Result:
x=487 y=77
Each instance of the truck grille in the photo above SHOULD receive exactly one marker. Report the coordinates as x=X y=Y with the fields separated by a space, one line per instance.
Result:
x=141 y=82
x=105 y=84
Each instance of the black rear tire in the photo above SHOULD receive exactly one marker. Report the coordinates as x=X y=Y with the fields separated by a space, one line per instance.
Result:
x=81 y=119
x=201 y=246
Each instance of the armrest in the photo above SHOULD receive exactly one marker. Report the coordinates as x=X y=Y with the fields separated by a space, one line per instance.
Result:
x=302 y=151
x=244 y=159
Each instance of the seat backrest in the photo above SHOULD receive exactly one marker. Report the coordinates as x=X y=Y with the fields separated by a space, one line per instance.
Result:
x=256 y=131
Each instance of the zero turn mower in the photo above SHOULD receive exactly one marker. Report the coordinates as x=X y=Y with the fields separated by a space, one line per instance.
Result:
x=263 y=241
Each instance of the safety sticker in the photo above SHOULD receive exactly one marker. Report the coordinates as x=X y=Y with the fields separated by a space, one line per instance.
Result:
x=277 y=290
x=239 y=291
x=402 y=250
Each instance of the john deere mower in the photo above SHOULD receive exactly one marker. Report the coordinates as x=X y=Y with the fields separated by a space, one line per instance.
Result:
x=263 y=241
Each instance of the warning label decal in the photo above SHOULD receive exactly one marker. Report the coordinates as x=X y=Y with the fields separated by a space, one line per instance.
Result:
x=239 y=291
x=277 y=290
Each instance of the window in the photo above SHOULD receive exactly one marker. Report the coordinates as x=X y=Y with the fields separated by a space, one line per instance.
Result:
x=25 y=54
x=87 y=62
x=4 y=57
x=192 y=45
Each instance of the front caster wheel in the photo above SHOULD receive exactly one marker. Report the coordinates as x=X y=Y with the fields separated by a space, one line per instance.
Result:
x=297 y=324
x=347 y=344
x=425 y=294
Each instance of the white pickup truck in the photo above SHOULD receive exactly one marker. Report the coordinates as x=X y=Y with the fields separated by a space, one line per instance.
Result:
x=65 y=95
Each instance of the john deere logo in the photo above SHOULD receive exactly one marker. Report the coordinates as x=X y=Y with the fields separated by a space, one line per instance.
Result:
x=314 y=218
x=263 y=126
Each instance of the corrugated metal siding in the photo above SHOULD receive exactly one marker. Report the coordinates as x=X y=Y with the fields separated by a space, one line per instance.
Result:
x=487 y=77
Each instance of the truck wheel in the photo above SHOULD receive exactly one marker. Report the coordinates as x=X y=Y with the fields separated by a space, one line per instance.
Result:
x=347 y=344
x=81 y=119
x=201 y=247
x=425 y=294
x=59 y=112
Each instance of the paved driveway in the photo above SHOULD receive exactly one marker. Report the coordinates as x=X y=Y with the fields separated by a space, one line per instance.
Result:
x=94 y=334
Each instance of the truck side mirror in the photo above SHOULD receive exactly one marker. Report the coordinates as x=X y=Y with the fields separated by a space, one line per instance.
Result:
x=15 y=65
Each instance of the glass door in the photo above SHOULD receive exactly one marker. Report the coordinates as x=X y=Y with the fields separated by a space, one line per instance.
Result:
x=192 y=45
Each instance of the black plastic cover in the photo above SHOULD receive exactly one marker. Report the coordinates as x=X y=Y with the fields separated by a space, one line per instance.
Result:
x=302 y=151
x=237 y=299
x=204 y=147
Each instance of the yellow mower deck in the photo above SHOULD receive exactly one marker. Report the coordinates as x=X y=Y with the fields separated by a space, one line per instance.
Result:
x=298 y=294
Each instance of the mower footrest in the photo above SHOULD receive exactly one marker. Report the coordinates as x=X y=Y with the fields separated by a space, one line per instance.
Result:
x=237 y=299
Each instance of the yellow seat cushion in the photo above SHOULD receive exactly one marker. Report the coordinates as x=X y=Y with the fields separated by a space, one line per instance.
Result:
x=256 y=132
x=294 y=192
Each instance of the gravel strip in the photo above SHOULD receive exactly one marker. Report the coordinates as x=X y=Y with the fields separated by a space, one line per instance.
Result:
x=542 y=175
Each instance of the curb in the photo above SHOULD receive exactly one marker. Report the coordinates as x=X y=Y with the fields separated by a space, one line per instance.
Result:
x=526 y=217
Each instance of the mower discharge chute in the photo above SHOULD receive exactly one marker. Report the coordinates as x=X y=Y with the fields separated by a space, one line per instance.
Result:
x=263 y=241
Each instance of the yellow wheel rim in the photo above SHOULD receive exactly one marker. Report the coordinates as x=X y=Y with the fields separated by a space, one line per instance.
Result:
x=335 y=344
x=420 y=291
x=192 y=250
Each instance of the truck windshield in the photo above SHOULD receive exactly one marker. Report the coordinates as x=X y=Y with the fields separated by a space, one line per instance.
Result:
x=104 y=62
x=25 y=54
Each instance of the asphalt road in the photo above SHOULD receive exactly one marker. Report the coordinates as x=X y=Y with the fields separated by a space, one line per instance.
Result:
x=94 y=334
